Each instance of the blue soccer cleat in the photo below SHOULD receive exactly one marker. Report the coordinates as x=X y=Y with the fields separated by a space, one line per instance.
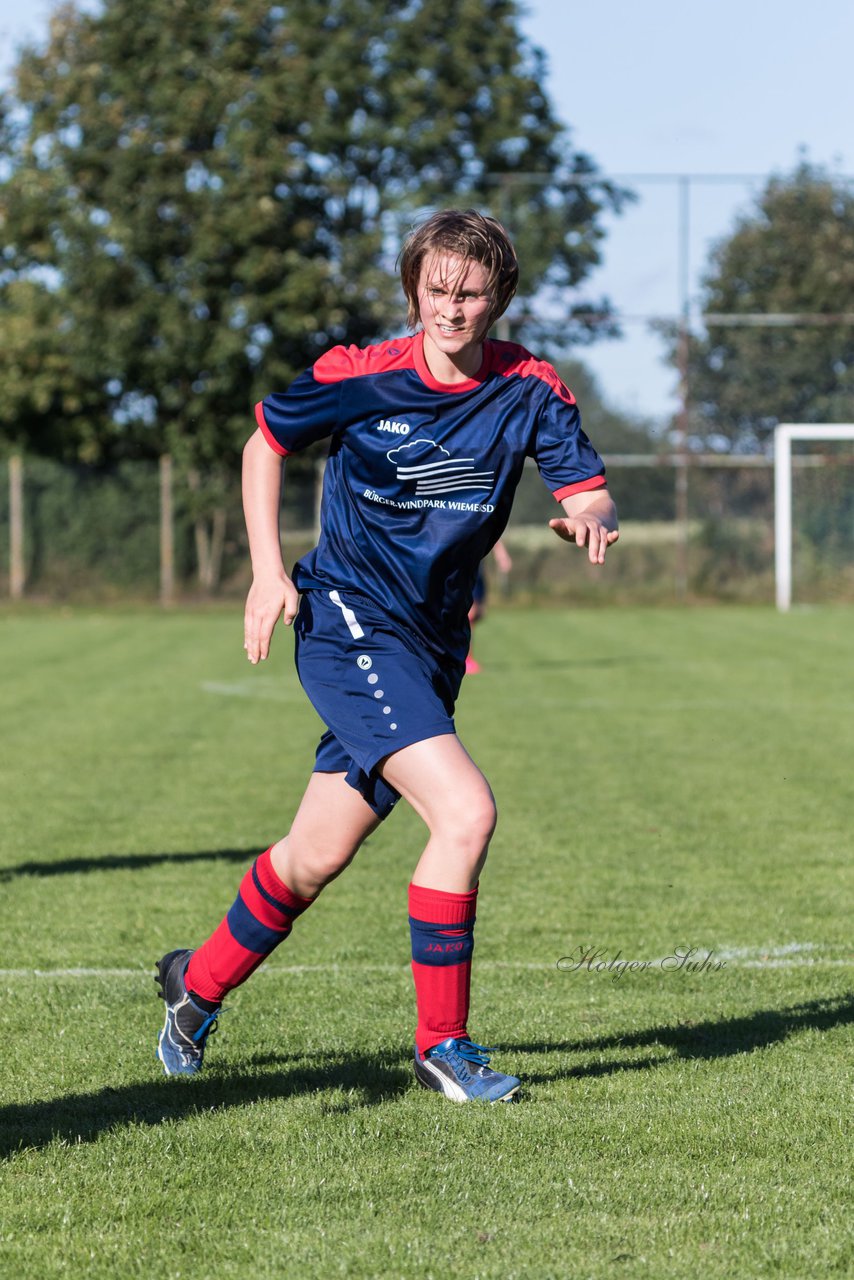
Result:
x=181 y=1046
x=460 y=1070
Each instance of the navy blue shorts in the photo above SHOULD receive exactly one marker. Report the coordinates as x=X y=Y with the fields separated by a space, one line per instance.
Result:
x=374 y=687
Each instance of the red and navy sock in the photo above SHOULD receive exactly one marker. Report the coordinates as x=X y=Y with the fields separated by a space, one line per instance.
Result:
x=441 y=926
x=259 y=919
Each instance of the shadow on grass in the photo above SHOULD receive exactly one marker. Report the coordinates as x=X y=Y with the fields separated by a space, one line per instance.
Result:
x=696 y=1040
x=83 y=1117
x=125 y=862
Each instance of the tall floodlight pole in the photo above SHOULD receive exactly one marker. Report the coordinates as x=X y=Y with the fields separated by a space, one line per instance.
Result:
x=167 y=531
x=683 y=189
x=17 y=569
x=502 y=328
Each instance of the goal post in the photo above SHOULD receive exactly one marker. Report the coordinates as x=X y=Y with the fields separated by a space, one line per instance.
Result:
x=783 y=437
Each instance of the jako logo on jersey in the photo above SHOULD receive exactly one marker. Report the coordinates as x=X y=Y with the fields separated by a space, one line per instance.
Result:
x=396 y=428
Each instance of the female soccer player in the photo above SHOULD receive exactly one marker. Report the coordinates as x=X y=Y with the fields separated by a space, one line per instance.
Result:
x=428 y=437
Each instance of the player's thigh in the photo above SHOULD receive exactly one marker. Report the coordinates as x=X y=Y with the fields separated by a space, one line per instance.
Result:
x=438 y=777
x=330 y=824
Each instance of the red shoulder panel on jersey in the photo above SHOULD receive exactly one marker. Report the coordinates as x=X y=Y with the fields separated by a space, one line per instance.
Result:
x=509 y=358
x=357 y=362
x=582 y=486
x=268 y=435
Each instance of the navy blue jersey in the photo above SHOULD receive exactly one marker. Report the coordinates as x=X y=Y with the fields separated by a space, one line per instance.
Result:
x=421 y=474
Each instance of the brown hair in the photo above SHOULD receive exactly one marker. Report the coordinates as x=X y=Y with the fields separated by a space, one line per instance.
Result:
x=470 y=235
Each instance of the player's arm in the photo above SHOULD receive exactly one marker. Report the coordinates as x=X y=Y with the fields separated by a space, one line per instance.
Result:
x=590 y=521
x=272 y=594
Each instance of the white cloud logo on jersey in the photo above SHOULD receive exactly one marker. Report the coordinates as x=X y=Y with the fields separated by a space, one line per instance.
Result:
x=434 y=471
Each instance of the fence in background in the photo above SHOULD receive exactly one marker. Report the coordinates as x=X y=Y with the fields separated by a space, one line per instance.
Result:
x=148 y=531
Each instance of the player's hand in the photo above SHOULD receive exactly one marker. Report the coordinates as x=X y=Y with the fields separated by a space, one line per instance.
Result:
x=586 y=531
x=269 y=599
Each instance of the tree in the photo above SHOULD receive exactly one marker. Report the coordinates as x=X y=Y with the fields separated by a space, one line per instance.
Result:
x=210 y=190
x=52 y=394
x=791 y=256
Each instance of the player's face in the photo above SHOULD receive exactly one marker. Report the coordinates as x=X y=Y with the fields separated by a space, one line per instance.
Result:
x=454 y=304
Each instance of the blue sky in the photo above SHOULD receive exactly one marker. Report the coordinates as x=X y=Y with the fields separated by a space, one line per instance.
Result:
x=673 y=86
x=669 y=87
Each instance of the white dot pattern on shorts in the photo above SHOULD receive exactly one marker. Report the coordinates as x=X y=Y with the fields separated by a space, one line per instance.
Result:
x=373 y=678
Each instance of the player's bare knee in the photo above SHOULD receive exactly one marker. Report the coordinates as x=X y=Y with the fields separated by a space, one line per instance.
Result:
x=328 y=863
x=470 y=823
x=485 y=819
x=312 y=864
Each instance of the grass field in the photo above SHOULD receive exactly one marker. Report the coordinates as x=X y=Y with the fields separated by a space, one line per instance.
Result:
x=666 y=779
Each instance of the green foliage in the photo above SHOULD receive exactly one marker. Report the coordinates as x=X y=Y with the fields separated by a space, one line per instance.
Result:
x=793 y=254
x=207 y=193
x=672 y=1125
x=52 y=399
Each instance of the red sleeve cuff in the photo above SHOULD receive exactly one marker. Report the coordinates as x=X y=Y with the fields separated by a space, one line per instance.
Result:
x=268 y=435
x=582 y=486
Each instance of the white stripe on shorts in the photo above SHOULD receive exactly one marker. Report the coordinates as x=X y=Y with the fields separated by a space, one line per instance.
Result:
x=349 y=616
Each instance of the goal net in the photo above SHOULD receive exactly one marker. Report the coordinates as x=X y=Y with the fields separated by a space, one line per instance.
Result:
x=814 y=516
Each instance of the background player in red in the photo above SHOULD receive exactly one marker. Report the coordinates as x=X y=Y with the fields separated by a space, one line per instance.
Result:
x=428 y=438
x=504 y=563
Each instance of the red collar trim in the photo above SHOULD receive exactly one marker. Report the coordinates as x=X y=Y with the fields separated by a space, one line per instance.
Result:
x=453 y=388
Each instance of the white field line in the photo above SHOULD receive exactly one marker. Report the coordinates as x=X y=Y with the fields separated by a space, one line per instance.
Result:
x=272 y=689
x=790 y=956
x=746 y=953
x=265 y=689
x=840 y=963
x=267 y=970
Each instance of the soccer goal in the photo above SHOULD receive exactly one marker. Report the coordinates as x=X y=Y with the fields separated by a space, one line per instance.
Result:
x=783 y=437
